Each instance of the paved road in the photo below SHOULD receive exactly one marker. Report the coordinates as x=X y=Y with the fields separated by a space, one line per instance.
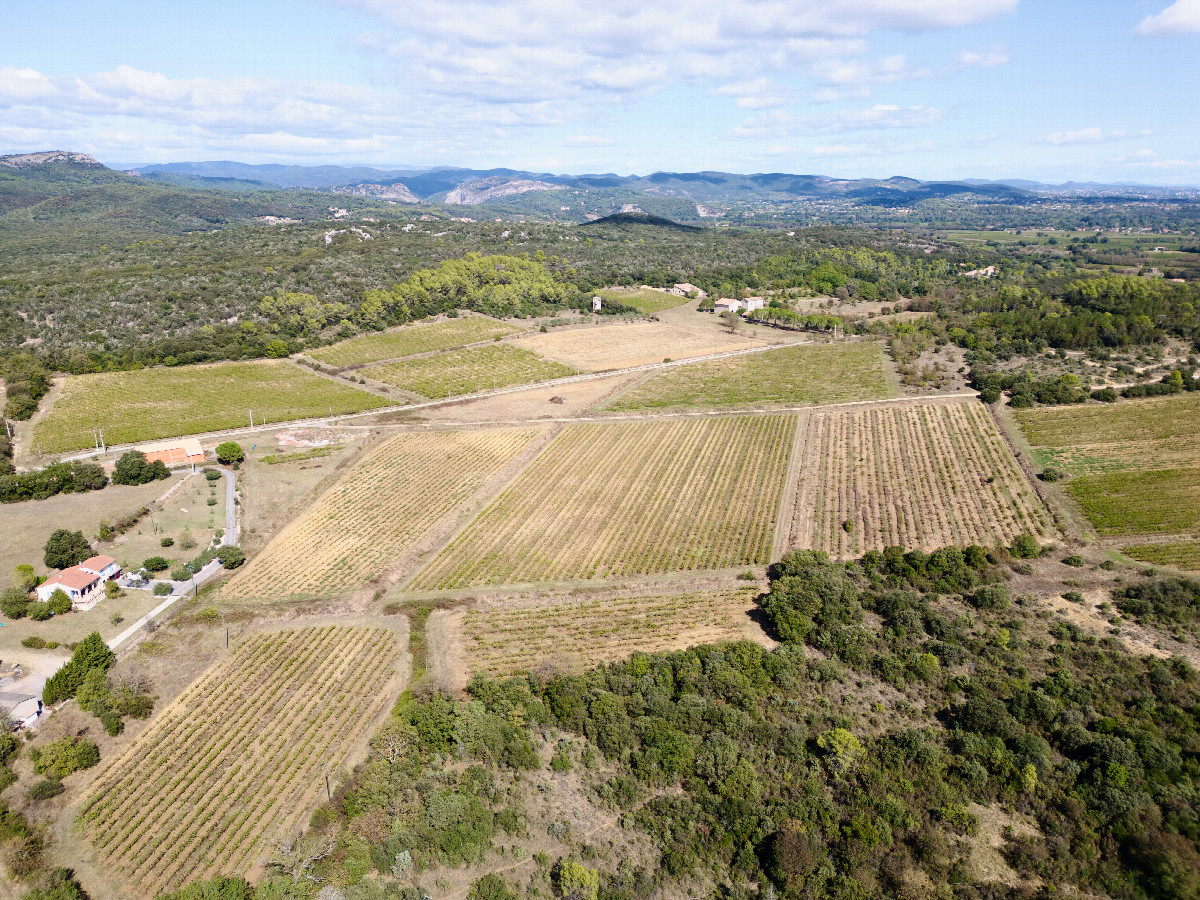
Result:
x=183 y=588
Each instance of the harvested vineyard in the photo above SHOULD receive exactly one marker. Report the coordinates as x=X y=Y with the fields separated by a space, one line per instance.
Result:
x=240 y=758
x=409 y=340
x=163 y=402
x=468 y=371
x=1156 y=433
x=503 y=639
x=377 y=512
x=919 y=475
x=809 y=373
x=626 y=499
x=619 y=346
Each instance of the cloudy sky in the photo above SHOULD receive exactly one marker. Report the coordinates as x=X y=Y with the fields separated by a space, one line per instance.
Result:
x=1043 y=89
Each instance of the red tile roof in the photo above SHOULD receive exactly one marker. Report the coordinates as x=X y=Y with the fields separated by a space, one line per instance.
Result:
x=73 y=577
x=97 y=563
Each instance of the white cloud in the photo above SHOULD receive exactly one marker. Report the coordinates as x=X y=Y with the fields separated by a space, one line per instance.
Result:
x=588 y=140
x=887 y=116
x=842 y=150
x=984 y=59
x=1094 y=135
x=859 y=71
x=1181 y=17
x=761 y=93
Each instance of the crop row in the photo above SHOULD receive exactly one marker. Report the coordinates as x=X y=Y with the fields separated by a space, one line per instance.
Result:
x=239 y=757
x=366 y=521
x=920 y=476
x=504 y=640
x=629 y=498
x=469 y=371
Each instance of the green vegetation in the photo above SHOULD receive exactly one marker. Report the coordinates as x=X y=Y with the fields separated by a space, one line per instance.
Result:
x=1180 y=555
x=26 y=381
x=91 y=654
x=413 y=339
x=66 y=548
x=132 y=468
x=56 y=478
x=468 y=371
x=802 y=374
x=648 y=302
x=62 y=757
x=229 y=453
x=1130 y=503
x=158 y=403
x=274 y=459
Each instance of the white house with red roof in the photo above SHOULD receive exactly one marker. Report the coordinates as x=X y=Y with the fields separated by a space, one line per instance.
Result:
x=80 y=582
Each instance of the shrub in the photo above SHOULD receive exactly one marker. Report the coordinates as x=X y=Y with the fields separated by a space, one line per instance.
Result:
x=25 y=577
x=59 y=602
x=180 y=573
x=155 y=564
x=163 y=588
x=1051 y=475
x=167 y=542
x=1105 y=395
x=39 y=612
x=575 y=881
x=65 y=549
x=187 y=541
x=231 y=557
x=492 y=886
x=132 y=468
x=212 y=475
x=14 y=603
x=1026 y=546
x=1073 y=596
x=57 y=884
x=45 y=789
x=1075 y=560
x=91 y=653
x=229 y=453
x=990 y=596
x=66 y=755
x=34 y=642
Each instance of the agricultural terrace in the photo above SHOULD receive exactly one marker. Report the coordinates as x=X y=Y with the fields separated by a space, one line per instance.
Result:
x=409 y=340
x=1162 y=501
x=240 y=757
x=1181 y=555
x=501 y=639
x=806 y=373
x=1155 y=433
x=644 y=300
x=163 y=402
x=619 y=346
x=378 y=511
x=468 y=371
x=629 y=499
x=927 y=475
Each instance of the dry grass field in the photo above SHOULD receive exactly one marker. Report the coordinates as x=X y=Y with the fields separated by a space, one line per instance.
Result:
x=166 y=402
x=469 y=371
x=239 y=758
x=923 y=476
x=629 y=498
x=806 y=373
x=1155 y=433
x=506 y=637
x=409 y=340
x=602 y=347
x=376 y=512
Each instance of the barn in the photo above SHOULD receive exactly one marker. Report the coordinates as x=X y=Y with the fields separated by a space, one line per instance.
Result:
x=177 y=452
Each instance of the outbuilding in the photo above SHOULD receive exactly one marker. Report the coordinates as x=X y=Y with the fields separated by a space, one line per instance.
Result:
x=177 y=452
x=22 y=710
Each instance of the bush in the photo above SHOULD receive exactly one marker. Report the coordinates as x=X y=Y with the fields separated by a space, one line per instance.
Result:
x=156 y=564
x=25 y=577
x=231 y=557
x=167 y=542
x=181 y=573
x=1051 y=475
x=66 y=755
x=1105 y=395
x=45 y=789
x=163 y=588
x=1075 y=561
x=57 y=884
x=65 y=549
x=39 y=612
x=14 y=603
x=91 y=653
x=212 y=475
x=1026 y=546
x=34 y=642
x=230 y=452
x=1073 y=596
x=59 y=602
x=186 y=541
x=132 y=468
x=492 y=886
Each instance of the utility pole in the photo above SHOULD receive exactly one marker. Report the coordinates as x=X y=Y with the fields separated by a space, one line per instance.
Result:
x=103 y=446
x=251 y=418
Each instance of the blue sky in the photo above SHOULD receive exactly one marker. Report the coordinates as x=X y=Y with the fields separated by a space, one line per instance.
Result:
x=1043 y=89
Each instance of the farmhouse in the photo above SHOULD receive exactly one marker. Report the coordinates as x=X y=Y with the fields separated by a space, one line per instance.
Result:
x=755 y=303
x=80 y=582
x=177 y=452
x=724 y=306
x=684 y=289
x=22 y=710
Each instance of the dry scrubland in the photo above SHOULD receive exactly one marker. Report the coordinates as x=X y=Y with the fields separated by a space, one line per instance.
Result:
x=239 y=759
x=572 y=634
x=810 y=373
x=1137 y=465
x=619 y=346
x=165 y=402
x=468 y=371
x=410 y=340
x=629 y=499
x=365 y=522
x=924 y=476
